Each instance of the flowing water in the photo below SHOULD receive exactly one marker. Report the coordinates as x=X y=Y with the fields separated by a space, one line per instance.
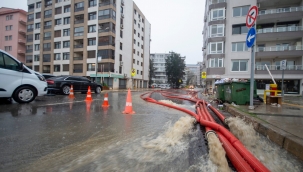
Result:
x=272 y=156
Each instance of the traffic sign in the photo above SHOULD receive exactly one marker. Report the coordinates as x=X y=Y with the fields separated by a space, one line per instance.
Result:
x=251 y=36
x=133 y=72
x=203 y=75
x=283 y=65
x=251 y=16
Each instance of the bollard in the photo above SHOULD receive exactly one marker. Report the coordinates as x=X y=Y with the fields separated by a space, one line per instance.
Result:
x=273 y=87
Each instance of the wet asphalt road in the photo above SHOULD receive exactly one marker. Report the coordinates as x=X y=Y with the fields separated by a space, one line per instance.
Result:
x=54 y=133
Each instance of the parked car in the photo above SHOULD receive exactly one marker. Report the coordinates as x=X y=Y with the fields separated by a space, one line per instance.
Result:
x=46 y=76
x=63 y=84
x=18 y=81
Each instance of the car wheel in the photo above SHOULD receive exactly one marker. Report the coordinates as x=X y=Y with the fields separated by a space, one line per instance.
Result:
x=98 y=90
x=24 y=94
x=65 y=89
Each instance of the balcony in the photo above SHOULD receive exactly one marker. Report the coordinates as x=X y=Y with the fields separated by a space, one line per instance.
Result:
x=78 y=70
x=21 y=41
x=78 y=46
x=280 y=33
x=29 y=50
x=47 y=38
x=279 y=51
x=79 y=21
x=21 y=31
x=47 y=49
x=275 y=69
x=29 y=40
x=78 y=58
x=216 y=71
x=22 y=22
x=280 y=14
x=47 y=16
x=217 y=4
x=30 y=20
x=105 y=3
x=47 y=26
x=21 y=52
x=79 y=9
x=30 y=30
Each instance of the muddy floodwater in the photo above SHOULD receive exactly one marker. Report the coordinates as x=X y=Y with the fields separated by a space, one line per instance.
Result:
x=56 y=134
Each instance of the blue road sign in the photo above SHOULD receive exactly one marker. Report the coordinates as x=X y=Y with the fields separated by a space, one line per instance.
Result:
x=251 y=37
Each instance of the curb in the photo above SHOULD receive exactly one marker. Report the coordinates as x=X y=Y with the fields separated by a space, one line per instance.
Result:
x=285 y=140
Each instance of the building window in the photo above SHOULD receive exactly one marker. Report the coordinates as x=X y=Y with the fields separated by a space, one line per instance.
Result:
x=79 y=6
x=37 y=36
x=8 y=38
x=57 y=33
x=138 y=62
x=216 y=48
x=91 y=54
x=30 y=28
x=134 y=51
x=135 y=11
x=91 y=67
x=37 y=47
x=46 y=46
x=47 y=35
x=134 y=61
x=139 y=35
x=57 y=56
x=138 y=44
x=217 y=30
x=65 y=44
x=142 y=38
x=138 y=25
x=66 y=8
x=66 y=20
x=65 y=56
x=92 y=16
x=91 y=41
x=120 y=59
x=240 y=11
x=138 y=72
x=239 y=29
x=239 y=46
x=142 y=29
x=134 y=31
x=134 y=41
x=37 y=25
x=135 y=21
x=38 y=5
x=36 y=58
x=30 y=17
x=38 y=15
x=8 y=48
x=239 y=65
x=56 y=68
x=47 y=13
x=57 y=45
x=46 y=58
x=65 y=67
x=142 y=20
x=9 y=17
x=9 y=27
x=78 y=31
x=121 y=34
x=47 y=24
x=121 y=46
x=217 y=14
x=215 y=62
x=57 y=1
x=66 y=32
x=58 y=10
x=57 y=22
x=91 y=28
x=92 y=3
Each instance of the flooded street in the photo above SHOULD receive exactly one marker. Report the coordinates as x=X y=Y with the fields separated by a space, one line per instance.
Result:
x=56 y=134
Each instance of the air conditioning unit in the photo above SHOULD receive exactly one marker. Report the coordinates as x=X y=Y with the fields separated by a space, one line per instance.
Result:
x=121 y=26
x=121 y=63
x=122 y=15
x=122 y=2
x=125 y=75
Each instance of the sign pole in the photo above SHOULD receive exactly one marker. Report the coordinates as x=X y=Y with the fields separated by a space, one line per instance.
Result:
x=252 y=80
x=282 y=85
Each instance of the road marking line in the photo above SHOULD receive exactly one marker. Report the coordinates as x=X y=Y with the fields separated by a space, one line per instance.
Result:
x=65 y=103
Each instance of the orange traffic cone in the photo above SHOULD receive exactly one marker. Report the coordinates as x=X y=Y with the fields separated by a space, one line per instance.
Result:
x=89 y=95
x=71 y=92
x=129 y=105
x=105 y=103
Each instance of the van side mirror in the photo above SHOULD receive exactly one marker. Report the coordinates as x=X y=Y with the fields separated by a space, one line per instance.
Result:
x=21 y=67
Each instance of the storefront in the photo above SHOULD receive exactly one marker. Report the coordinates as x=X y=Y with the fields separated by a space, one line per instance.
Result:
x=290 y=86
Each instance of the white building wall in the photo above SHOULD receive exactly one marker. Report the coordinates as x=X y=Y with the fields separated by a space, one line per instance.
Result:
x=147 y=38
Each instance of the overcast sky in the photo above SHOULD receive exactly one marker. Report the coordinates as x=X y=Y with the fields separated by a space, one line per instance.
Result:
x=176 y=25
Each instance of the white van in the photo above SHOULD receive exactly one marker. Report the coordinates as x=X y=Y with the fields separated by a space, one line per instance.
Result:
x=18 y=81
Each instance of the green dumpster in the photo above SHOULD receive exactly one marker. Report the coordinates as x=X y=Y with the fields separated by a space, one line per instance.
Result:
x=238 y=92
x=220 y=91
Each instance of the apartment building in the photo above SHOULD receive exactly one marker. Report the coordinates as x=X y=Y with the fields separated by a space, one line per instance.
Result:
x=69 y=37
x=12 y=32
x=279 y=37
x=159 y=63
x=193 y=73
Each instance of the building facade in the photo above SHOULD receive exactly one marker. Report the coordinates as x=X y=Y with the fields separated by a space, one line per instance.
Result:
x=279 y=37
x=159 y=63
x=13 y=32
x=67 y=37
x=193 y=74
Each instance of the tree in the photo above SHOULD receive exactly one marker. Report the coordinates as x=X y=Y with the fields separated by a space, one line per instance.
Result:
x=174 y=68
x=151 y=71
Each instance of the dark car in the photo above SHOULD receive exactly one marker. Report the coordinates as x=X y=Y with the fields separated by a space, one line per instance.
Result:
x=63 y=84
x=46 y=76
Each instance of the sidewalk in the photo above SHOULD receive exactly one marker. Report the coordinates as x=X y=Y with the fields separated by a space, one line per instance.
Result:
x=282 y=125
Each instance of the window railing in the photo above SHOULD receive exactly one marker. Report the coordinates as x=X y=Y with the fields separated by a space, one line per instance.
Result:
x=46 y=49
x=280 y=48
x=78 y=70
x=29 y=50
x=79 y=9
x=78 y=33
x=215 y=1
x=78 y=58
x=280 y=10
x=48 y=16
x=78 y=46
x=280 y=29
x=30 y=20
x=278 y=67
x=79 y=21
x=46 y=71
x=31 y=9
x=103 y=17
x=217 y=35
x=46 y=59
x=107 y=3
x=47 y=26
x=47 y=38
x=29 y=40
x=30 y=30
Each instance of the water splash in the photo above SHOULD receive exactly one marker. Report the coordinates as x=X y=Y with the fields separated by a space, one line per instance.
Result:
x=217 y=153
x=271 y=155
x=175 y=104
